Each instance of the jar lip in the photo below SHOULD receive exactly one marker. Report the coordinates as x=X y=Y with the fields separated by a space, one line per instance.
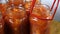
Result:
x=47 y=6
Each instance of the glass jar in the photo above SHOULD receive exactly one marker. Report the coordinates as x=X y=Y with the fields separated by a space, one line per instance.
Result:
x=16 y=18
x=40 y=19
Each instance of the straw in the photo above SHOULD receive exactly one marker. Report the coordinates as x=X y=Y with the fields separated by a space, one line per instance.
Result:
x=32 y=6
x=53 y=5
x=55 y=9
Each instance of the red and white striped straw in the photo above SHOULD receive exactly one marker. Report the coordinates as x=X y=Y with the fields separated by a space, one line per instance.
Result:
x=55 y=9
x=53 y=5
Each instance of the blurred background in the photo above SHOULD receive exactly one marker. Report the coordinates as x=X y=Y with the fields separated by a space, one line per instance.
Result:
x=49 y=2
x=55 y=25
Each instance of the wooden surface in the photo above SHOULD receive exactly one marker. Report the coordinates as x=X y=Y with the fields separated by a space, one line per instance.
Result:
x=55 y=27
